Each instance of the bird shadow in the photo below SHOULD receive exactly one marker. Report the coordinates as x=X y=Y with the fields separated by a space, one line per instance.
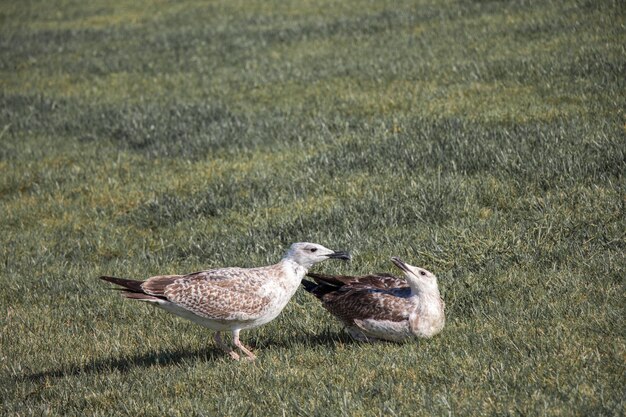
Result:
x=124 y=364
x=326 y=338
x=165 y=358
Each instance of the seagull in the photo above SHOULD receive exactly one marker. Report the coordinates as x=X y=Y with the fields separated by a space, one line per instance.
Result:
x=230 y=299
x=383 y=306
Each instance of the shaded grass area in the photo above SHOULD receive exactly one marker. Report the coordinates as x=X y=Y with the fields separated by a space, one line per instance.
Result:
x=484 y=141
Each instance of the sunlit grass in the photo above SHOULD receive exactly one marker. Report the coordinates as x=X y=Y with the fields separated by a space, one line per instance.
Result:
x=484 y=141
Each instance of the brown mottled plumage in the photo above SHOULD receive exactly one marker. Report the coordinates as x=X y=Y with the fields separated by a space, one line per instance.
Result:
x=383 y=306
x=230 y=298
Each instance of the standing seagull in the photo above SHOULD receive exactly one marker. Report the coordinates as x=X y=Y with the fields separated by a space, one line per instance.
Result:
x=230 y=298
x=383 y=306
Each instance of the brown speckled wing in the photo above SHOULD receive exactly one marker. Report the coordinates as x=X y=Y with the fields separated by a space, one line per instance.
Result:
x=225 y=294
x=349 y=304
x=156 y=285
x=380 y=280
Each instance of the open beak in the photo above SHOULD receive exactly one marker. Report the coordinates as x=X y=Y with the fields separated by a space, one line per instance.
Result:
x=400 y=264
x=340 y=255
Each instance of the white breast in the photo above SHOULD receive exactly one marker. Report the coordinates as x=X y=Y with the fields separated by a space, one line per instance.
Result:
x=280 y=291
x=430 y=317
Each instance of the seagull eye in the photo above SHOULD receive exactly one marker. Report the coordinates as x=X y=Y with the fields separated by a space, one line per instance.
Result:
x=313 y=249
x=422 y=273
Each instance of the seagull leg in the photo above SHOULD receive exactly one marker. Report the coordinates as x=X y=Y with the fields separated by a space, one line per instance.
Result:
x=224 y=347
x=240 y=345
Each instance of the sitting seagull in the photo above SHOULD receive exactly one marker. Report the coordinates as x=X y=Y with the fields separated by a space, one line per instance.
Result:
x=230 y=298
x=383 y=306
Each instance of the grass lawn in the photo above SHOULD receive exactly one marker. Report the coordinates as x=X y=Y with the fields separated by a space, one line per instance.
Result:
x=482 y=140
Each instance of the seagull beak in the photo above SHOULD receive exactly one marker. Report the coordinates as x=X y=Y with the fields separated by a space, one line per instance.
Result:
x=400 y=264
x=340 y=255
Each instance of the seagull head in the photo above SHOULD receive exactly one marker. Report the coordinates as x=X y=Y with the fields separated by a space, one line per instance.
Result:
x=308 y=254
x=419 y=279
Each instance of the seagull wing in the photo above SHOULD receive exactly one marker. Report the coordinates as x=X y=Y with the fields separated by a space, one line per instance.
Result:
x=380 y=280
x=359 y=303
x=221 y=294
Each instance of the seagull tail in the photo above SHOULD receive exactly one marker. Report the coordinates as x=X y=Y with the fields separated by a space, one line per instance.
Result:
x=127 y=284
x=332 y=280
x=132 y=289
x=318 y=290
x=309 y=286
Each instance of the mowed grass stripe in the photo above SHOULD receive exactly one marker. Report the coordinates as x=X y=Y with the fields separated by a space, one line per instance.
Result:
x=482 y=140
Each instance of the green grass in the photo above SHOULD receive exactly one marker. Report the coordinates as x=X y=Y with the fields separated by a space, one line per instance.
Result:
x=482 y=140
